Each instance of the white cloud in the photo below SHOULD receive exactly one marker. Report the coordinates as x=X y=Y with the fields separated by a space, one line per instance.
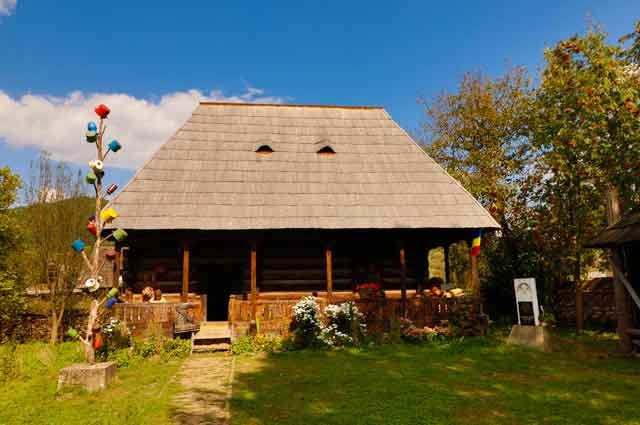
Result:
x=7 y=7
x=57 y=124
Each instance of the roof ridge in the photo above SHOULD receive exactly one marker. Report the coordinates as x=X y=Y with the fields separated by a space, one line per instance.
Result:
x=287 y=105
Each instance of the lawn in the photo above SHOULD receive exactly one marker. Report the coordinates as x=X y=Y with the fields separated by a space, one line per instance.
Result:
x=141 y=394
x=472 y=382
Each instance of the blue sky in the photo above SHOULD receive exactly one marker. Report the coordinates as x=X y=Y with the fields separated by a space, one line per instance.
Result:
x=152 y=60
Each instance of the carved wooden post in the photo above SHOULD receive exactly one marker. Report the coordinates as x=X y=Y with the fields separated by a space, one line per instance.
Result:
x=253 y=279
x=328 y=255
x=403 y=281
x=184 y=296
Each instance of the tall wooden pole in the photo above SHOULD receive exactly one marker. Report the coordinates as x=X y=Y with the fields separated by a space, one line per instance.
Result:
x=184 y=296
x=254 y=279
x=403 y=281
x=622 y=304
x=328 y=255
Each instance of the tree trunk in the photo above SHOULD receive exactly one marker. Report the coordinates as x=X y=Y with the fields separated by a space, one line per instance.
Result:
x=56 y=320
x=622 y=304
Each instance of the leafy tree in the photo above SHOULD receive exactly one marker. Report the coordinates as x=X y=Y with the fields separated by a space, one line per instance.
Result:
x=587 y=136
x=57 y=210
x=11 y=289
x=480 y=135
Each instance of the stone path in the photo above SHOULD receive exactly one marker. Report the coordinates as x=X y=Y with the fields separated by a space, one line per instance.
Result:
x=206 y=390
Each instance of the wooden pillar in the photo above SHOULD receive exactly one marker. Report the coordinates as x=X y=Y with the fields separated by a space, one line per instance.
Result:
x=623 y=312
x=184 y=296
x=253 y=279
x=447 y=265
x=328 y=255
x=475 y=275
x=403 y=280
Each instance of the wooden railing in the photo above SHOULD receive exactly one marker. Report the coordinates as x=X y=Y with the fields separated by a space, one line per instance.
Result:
x=148 y=319
x=274 y=310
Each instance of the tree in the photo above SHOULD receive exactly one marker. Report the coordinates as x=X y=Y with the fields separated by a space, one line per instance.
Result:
x=587 y=136
x=480 y=135
x=11 y=286
x=91 y=340
x=57 y=209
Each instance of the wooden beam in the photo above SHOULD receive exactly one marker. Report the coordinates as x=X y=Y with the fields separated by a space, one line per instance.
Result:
x=184 y=296
x=253 y=267
x=403 y=280
x=328 y=255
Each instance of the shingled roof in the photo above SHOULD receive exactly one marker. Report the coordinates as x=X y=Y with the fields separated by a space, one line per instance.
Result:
x=208 y=175
x=625 y=231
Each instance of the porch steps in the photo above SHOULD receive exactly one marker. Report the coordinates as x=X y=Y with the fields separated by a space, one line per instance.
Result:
x=212 y=336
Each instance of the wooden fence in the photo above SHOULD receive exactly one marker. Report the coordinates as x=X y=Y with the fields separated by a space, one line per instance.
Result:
x=275 y=310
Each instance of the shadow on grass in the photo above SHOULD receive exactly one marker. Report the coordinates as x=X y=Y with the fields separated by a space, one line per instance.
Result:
x=474 y=381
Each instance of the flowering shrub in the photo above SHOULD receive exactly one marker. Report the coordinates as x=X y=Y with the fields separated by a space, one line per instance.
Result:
x=411 y=333
x=306 y=324
x=345 y=324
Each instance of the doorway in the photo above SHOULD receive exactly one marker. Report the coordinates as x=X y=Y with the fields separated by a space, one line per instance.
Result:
x=220 y=281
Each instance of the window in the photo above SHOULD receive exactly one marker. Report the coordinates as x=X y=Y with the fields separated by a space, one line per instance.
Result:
x=326 y=151
x=264 y=150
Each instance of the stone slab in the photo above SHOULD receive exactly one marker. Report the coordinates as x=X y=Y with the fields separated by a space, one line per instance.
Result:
x=530 y=336
x=91 y=377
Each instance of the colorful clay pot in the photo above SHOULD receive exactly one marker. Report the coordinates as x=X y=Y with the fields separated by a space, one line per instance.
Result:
x=119 y=235
x=97 y=341
x=102 y=111
x=92 y=126
x=114 y=146
x=91 y=285
x=78 y=245
x=92 y=228
x=91 y=136
x=91 y=178
x=110 y=303
x=108 y=215
x=112 y=188
x=96 y=165
x=112 y=292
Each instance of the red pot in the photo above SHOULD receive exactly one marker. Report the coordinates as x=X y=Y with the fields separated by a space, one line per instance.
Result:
x=102 y=110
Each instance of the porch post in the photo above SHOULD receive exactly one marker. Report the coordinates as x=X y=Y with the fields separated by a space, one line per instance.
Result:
x=254 y=280
x=447 y=265
x=185 y=272
x=403 y=281
x=328 y=254
x=475 y=276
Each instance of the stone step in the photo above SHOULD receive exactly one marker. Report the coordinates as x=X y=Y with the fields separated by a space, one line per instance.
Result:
x=211 y=348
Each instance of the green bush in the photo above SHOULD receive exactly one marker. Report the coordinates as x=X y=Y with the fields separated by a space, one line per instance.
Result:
x=8 y=361
x=157 y=348
x=256 y=344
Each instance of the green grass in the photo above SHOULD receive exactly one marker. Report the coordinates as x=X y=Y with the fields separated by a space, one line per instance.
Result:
x=140 y=395
x=473 y=382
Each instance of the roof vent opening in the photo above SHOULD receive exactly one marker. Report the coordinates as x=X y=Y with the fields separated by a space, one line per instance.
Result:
x=264 y=150
x=327 y=151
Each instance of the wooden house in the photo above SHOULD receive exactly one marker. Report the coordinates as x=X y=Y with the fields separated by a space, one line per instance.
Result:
x=253 y=204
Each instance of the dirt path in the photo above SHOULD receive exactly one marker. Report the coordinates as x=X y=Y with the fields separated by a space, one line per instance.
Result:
x=206 y=382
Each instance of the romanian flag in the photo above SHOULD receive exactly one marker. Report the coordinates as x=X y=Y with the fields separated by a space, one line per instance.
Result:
x=475 y=244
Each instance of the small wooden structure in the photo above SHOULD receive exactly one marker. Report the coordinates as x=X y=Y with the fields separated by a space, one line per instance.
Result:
x=623 y=240
x=255 y=206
